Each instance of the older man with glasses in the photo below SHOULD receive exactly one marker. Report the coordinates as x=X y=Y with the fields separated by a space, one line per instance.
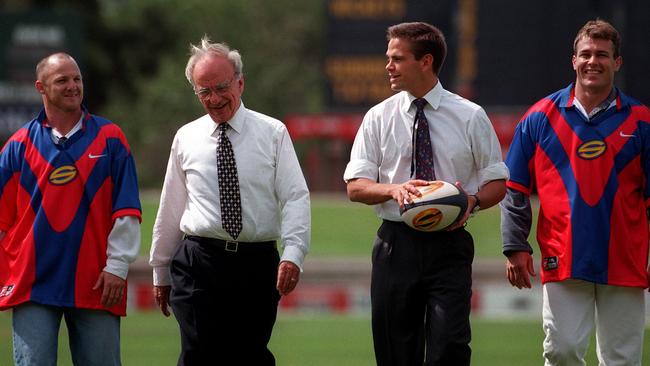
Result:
x=233 y=188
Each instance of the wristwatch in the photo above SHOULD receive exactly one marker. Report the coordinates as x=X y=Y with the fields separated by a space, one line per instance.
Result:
x=477 y=205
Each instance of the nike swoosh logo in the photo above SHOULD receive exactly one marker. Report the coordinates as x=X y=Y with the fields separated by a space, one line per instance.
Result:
x=91 y=156
x=620 y=133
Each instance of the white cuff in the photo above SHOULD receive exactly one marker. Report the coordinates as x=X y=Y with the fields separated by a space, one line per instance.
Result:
x=117 y=267
x=293 y=254
x=161 y=276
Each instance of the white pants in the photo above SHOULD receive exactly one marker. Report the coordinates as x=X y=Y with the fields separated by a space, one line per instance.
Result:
x=572 y=307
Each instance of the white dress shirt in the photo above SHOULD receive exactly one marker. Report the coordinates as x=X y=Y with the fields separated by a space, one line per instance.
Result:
x=274 y=195
x=465 y=146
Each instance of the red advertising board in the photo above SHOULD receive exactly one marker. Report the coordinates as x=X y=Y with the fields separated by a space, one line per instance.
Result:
x=344 y=126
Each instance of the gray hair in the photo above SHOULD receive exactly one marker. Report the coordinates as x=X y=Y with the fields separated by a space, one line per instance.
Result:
x=207 y=48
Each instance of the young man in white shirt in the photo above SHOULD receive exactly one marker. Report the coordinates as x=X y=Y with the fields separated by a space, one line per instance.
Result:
x=421 y=282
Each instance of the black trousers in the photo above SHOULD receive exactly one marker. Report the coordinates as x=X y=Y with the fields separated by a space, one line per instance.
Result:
x=421 y=291
x=225 y=302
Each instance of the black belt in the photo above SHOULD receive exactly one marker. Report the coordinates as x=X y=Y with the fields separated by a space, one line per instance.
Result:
x=231 y=245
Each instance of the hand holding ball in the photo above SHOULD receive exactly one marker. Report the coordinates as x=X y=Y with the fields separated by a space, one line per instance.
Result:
x=440 y=205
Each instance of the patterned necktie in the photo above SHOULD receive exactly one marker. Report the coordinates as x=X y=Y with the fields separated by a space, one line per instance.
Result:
x=424 y=152
x=228 y=185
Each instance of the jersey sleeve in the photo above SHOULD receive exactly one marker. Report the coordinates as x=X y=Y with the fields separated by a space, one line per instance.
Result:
x=126 y=201
x=520 y=156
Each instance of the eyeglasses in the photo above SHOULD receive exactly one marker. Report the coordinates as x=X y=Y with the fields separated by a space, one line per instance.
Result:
x=219 y=89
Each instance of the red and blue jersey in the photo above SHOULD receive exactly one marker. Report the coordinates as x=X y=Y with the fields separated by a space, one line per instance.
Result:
x=57 y=207
x=591 y=177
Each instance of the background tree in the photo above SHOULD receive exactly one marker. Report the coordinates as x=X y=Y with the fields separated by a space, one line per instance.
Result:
x=144 y=63
x=134 y=57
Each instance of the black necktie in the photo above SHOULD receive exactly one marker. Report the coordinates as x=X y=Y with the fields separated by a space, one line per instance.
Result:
x=228 y=185
x=424 y=152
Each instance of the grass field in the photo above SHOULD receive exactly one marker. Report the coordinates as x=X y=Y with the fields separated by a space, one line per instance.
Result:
x=324 y=340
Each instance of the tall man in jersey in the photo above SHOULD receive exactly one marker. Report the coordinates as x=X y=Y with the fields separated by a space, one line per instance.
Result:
x=70 y=225
x=586 y=150
x=422 y=282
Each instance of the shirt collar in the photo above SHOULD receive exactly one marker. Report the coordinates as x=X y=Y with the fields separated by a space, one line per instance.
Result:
x=85 y=115
x=42 y=118
x=74 y=129
x=611 y=100
x=236 y=122
x=432 y=97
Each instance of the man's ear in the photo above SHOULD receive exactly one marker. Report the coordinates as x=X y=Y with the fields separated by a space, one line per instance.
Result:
x=427 y=61
x=39 y=87
x=618 y=62
x=573 y=62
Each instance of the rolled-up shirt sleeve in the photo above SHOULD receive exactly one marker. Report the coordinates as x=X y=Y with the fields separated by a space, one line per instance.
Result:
x=486 y=149
x=365 y=155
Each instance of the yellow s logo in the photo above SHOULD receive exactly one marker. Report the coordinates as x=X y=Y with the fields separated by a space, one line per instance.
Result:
x=63 y=175
x=428 y=219
x=592 y=149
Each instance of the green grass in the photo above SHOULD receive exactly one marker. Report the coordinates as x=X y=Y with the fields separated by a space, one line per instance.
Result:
x=149 y=211
x=322 y=340
x=340 y=227
x=344 y=228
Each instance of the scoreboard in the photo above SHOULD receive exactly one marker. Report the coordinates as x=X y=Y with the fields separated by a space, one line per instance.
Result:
x=356 y=46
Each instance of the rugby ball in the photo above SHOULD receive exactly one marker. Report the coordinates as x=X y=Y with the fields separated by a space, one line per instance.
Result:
x=440 y=205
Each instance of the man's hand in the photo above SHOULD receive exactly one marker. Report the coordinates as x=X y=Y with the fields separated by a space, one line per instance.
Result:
x=161 y=294
x=288 y=277
x=518 y=266
x=402 y=192
x=113 y=288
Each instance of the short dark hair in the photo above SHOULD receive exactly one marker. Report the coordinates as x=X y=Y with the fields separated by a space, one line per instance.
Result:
x=424 y=39
x=599 y=29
